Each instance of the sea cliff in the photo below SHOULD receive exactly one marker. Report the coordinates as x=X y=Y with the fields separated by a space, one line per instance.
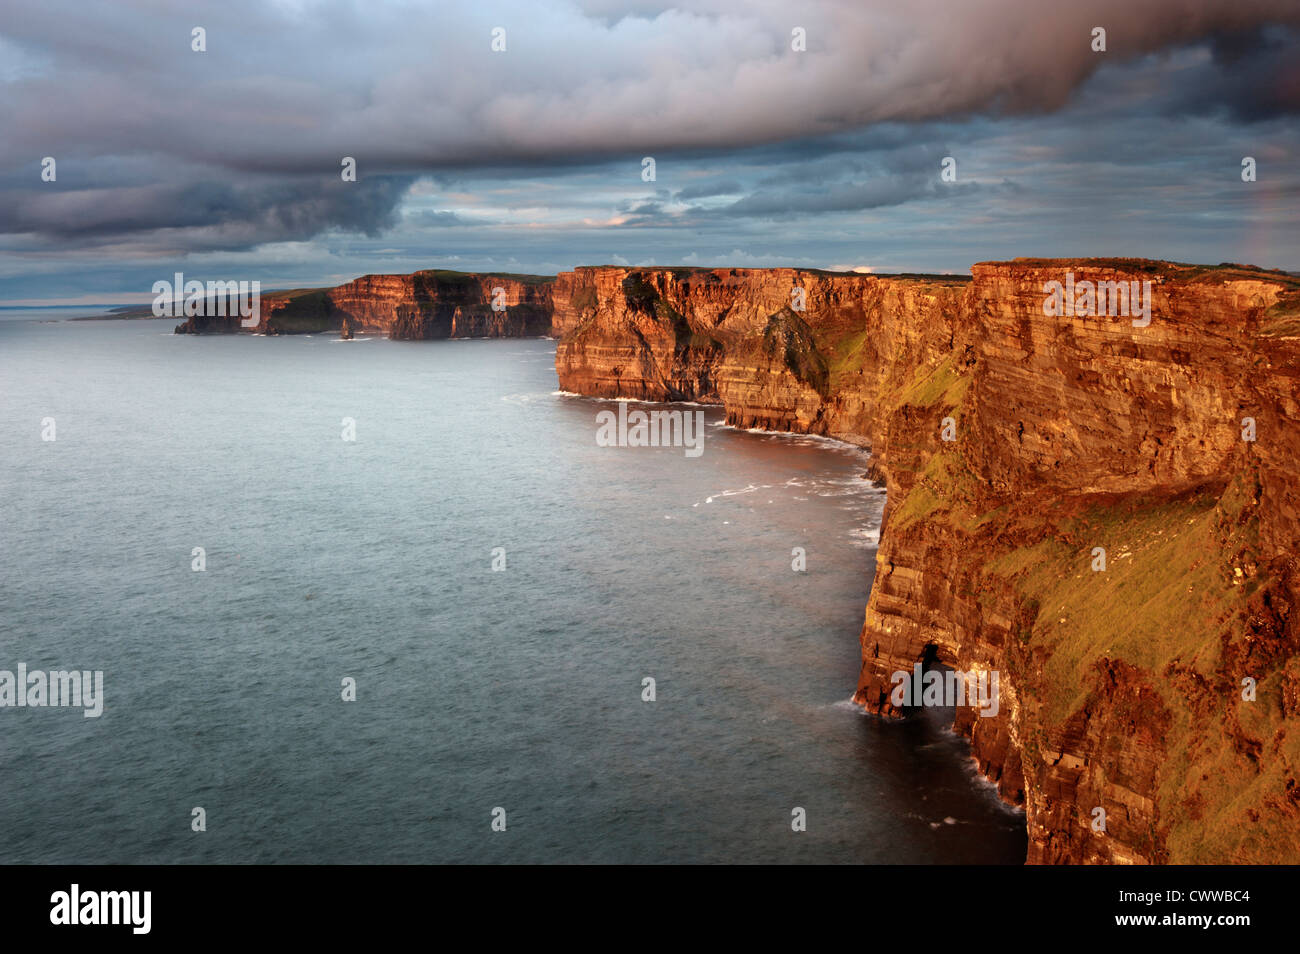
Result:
x=1102 y=509
x=429 y=304
x=1123 y=683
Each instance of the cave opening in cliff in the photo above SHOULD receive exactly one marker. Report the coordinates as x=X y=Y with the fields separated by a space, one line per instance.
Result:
x=936 y=716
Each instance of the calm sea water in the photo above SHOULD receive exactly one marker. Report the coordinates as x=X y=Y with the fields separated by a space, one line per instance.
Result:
x=476 y=689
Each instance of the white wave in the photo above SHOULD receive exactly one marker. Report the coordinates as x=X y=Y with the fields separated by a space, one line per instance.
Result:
x=736 y=493
x=866 y=537
x=848 y=705
x=636 y=400
x=520 y=400
x=835 y=443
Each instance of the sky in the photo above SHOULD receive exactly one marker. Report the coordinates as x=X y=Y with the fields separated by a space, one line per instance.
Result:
x=801 y=134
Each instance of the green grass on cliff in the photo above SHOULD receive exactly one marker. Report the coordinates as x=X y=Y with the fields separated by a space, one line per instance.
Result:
x=1180 y=601
x=944 y=482
x=944 y=485
x=525 y=279
x=1175 y=271
x=846 y=356
x=942 y=385
x=1175 y=601
x=448 y=277
x=1283 y=319
x=1229 y=784
x=306 y=312
x=1159 y=570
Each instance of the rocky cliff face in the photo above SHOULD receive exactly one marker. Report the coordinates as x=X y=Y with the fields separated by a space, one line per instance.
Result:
x=1103 y=512
x=430 y=304
x=445 y=305
x=739 y=337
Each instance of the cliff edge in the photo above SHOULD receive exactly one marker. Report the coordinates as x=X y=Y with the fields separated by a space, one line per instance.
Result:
x=1098 y=503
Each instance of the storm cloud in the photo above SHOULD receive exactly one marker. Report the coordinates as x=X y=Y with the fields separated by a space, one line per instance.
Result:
x=163 y=150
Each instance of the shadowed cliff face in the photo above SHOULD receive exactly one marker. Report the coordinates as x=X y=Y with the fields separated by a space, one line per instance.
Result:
x=432 y=304
x=735 y=337
x=445 y=305
x=1121 y=668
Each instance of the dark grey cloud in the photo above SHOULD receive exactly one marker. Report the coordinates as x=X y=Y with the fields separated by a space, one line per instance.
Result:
x=844 y=196
x=223 y=214
x=164 y=151
x=1256 y=76
x=292 y=86
x=708 y=190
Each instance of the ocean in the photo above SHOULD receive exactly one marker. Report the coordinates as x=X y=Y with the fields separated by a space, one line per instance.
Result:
x=485 y=698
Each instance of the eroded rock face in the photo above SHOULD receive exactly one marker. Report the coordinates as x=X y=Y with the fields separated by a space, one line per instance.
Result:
x=1065 y=420
x=430 y=304
x=1122 y=725
x=445 y=305
x=734 y=337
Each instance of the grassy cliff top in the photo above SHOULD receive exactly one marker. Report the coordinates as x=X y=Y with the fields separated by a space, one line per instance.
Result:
x=1177 y=271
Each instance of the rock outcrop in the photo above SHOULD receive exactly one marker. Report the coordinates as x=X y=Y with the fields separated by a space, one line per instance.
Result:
x=429 y=304
x=440 y=304
x=1111 y=527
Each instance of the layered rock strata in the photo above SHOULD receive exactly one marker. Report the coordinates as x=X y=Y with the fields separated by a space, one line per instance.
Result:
x=429 y=304
x=1111 y=527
